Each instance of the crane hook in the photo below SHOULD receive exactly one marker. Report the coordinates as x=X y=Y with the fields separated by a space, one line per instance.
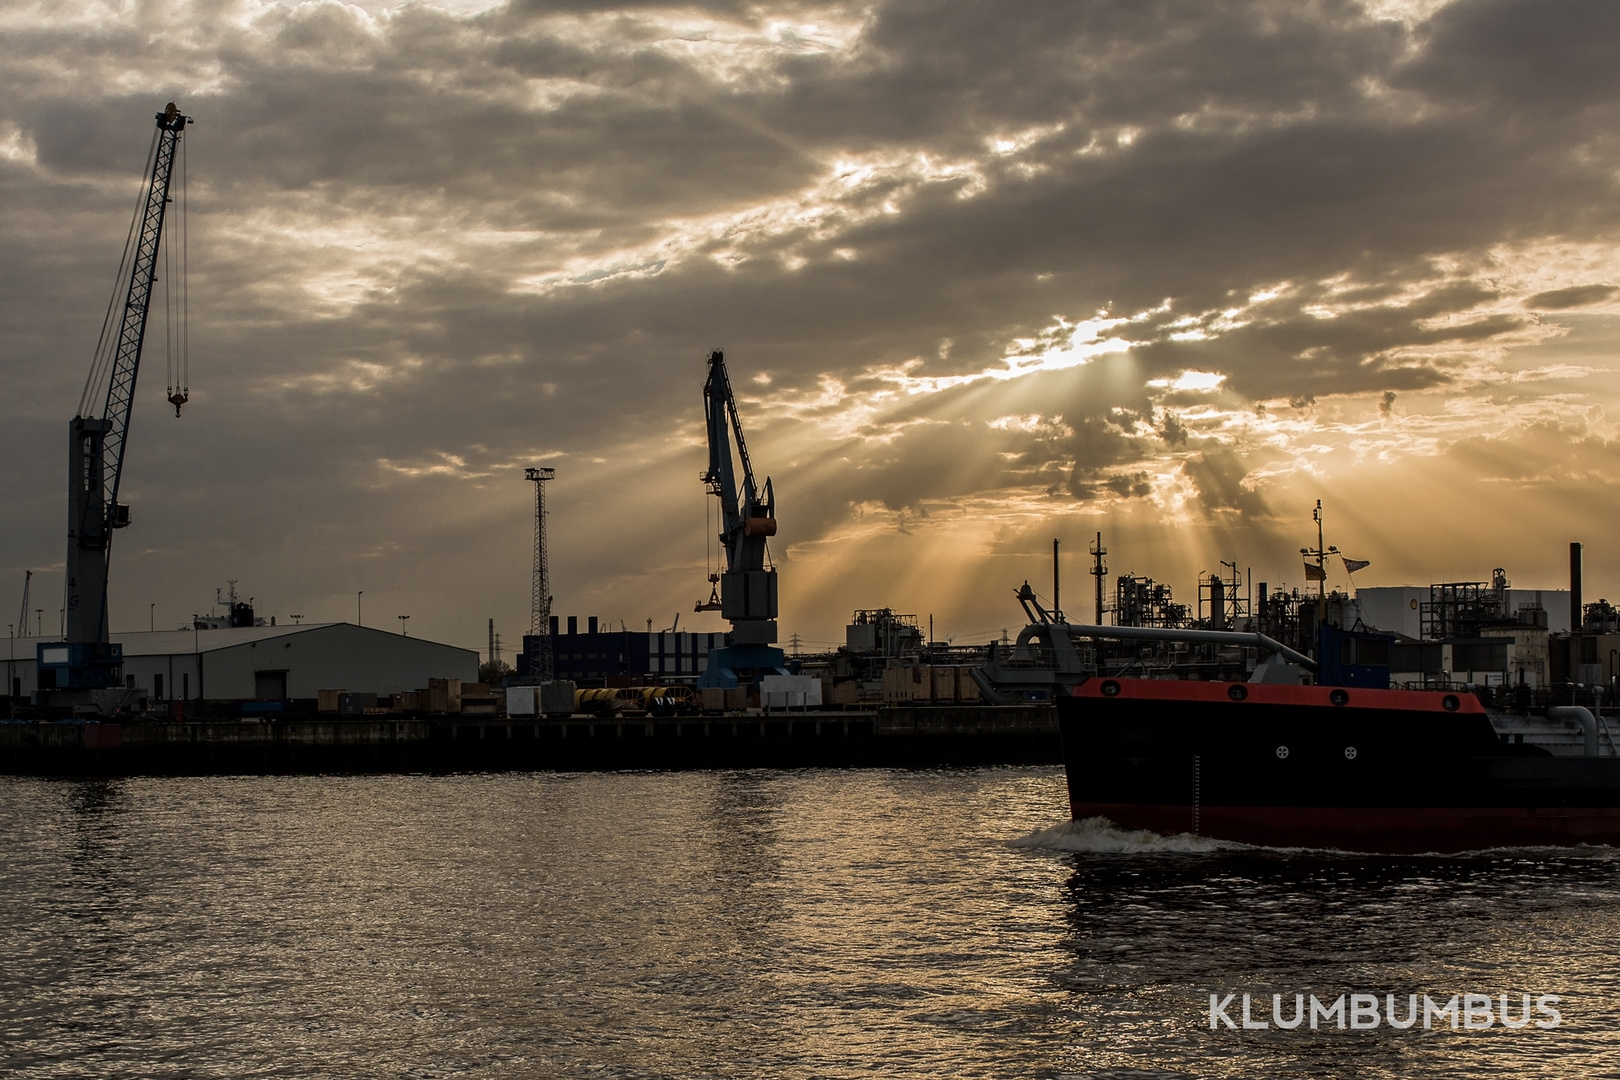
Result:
x=714 y=597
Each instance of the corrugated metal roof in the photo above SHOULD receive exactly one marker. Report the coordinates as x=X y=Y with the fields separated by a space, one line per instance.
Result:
x=166 y=642
x=176 y=642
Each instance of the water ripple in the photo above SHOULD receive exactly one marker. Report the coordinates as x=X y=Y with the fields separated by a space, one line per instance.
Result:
x=744 y=924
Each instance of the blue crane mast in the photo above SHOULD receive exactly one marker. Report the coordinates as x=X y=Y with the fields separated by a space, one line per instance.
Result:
x=747 y=586
x=72 y=673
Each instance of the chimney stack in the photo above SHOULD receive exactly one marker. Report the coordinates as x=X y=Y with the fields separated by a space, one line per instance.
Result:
x=1575 y=588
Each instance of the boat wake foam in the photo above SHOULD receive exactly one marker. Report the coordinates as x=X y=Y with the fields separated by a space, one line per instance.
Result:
x=1100 y=836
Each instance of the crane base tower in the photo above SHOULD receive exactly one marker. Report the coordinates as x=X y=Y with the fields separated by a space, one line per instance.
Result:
x=737 y=664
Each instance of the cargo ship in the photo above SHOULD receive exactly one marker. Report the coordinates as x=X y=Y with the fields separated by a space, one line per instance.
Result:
x=1386 y=771
x=1275 y=761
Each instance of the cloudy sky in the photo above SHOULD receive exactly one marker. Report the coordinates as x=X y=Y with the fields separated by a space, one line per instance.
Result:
x=985 y=275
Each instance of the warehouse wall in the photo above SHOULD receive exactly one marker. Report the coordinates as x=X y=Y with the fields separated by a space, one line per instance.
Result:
x=220 y=665
x=339 y=656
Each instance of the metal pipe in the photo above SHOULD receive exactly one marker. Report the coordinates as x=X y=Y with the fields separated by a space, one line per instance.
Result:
x=1588 y=723
x=990 y=691
x=1204 y=637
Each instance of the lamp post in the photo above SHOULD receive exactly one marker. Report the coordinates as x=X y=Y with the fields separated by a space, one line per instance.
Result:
x=402 y=619
x=151 y=616
x=357 y=620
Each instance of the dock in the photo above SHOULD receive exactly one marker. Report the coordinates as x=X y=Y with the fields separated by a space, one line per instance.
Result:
x=904 y=737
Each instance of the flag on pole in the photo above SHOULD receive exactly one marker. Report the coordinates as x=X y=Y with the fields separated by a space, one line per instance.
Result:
x=1352 y=565
x=1314 y=572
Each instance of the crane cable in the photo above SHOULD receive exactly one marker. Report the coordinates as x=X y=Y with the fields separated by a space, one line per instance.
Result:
x=107 y=343
x=179 y=354
x=177 y=301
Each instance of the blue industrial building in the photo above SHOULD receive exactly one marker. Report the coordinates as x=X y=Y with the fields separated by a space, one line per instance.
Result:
x=598 y=655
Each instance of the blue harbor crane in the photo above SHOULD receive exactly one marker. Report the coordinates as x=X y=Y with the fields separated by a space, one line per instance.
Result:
x=747 y=587
x=83 y=674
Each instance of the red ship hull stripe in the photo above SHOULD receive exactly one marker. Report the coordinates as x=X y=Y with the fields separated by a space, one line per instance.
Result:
x=1325 y=697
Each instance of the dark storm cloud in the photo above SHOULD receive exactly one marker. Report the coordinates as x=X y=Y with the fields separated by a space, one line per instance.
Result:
x=1172 y=430
x=1098 y=444
x=429 y=246
x=1218 y=474
x=1573 y=297
x=1537 y=62
x=949 y=75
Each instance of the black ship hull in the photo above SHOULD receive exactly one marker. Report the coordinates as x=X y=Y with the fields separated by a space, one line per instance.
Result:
x=1388 y=771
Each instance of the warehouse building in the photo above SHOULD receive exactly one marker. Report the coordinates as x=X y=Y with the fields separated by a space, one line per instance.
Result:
x=265 y=663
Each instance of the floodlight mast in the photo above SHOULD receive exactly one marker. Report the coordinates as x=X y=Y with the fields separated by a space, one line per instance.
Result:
x=542 y=667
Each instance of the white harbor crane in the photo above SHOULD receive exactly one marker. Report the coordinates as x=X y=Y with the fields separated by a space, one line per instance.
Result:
x=747 y=587
x=84 y=673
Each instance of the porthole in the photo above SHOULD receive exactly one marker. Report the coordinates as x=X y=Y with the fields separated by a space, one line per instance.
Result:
x=1282 y=752
x=1110 y=688
x=1349 y=753
x=1237 y=692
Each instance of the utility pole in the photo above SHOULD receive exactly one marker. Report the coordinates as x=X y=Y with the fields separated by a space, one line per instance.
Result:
x=541 y=667
x=1098 y=571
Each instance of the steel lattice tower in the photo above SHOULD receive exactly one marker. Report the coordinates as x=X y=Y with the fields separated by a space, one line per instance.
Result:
x=540 y=659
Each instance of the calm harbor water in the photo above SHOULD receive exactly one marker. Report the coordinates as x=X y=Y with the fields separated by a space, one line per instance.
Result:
x=803 y=924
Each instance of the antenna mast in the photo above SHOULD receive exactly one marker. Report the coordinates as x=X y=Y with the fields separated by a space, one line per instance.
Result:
x=1099 y=570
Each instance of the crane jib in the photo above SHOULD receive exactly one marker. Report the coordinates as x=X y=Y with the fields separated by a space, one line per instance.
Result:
x=137 y=305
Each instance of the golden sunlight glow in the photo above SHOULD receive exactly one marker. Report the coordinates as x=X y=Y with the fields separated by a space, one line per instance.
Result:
x=1196 y=381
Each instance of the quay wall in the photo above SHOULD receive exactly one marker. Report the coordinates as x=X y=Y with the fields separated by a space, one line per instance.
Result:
x=905 y=737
